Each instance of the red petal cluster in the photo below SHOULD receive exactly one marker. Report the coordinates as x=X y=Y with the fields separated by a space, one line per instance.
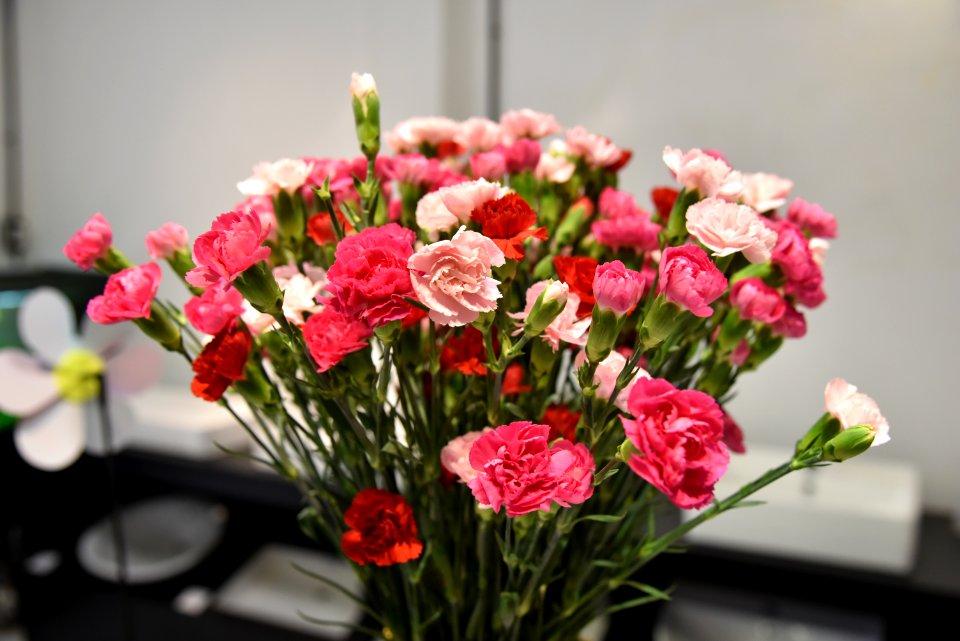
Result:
x=221 y=363
x=562 y=421
x=663 y=199
x=465 y=353
x=507 y=221
x=320 y=229
x=513 y=380
x=382 y=529
x=578 y=273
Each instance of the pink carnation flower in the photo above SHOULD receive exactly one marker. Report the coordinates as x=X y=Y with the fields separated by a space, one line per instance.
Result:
x=214 y=309
x=455 y=455
x=526 y=123
x=690 y=279
x=409 y=135
x=433 y=216
x=166 y=241
x=812 y=218
x=555 y=168
x=617 y=288
x=300 y=291
x=491 y=165
x=573 y=465
x=414 y=169
x=479 y=134
x=565 y=327
x=330 y=336
x=262 y=206
x=127 y=295
x=596 y=150
x=269 y=178
x=522 y=155
x=793 y=324
x=791 y=253
x=637 y=233
x=755 y=300
x=368 y=279
x=454 y=277
x=233 y=244
x=706 y=172
x=680 y=435
x=765 y=192
x=606 y=376
x=855 y=408
x=463 y=198
x=727 y=228
x=614 y=203
x=90 y=243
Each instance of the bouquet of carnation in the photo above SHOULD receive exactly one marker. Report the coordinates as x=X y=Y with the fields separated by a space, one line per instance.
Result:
x=483 y=364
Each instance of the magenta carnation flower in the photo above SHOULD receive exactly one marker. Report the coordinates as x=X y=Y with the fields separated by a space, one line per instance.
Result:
x=90 y=243
x=755 y=300
x=690 y=279
x=214 y=309
x=233 y=244
x=127 y=295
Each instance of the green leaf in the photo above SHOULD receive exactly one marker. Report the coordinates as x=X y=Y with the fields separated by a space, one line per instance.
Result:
x=373 y=634
x=603 y=563
x=602 y=518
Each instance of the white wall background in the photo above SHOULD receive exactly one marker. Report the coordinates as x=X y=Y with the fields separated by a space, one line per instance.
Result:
x=151 y=111
x=856 y=101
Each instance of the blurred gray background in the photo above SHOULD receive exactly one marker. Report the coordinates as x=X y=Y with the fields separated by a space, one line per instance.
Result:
x=152 y=111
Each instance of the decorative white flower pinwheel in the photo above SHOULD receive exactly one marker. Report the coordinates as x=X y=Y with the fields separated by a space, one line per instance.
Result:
x=52 y=388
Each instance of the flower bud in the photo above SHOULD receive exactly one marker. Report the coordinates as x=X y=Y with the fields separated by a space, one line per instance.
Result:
x=605 y=327
x=549 y=304
x=260 y=288
x=366 y=113
x=661 y=321
x=849 y=443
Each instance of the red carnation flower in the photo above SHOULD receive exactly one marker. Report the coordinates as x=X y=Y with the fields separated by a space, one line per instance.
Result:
x=562 y=421
x=663 y=199
x=507 y=222
x=221 y=362
x=465 y=353
x=513 y=380
x=382 y=529
x=578 y=273
x=320 y=229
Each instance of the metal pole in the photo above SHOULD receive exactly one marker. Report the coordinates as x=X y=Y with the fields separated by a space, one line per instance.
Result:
x=494 y=62
x=12 y=233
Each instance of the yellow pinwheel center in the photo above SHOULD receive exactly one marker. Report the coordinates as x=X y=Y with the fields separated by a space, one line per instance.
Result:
x=77 y=375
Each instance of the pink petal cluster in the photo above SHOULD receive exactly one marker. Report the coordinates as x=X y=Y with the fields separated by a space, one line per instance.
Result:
x=555 y=168
x=300 y=290
x=517 y=469
x=233 y=244
x=706 y=172
x=262 y=206
x=614 y=203
x=490 y=165
x=765 y=192
x=690 y=279
x=733 y=434
x=617 y=288
x=269 y=178
x=680 y=436
x=855 y=408
x=368 y=280
x=463 y=198
x=90 y=243
x=454 y=277
x=622 y=224
x=727 y=228
x=757 y=301
x=127 y=295
x=596 y=150
x=166 y=241
x=606 y=376
x=793 y=256
x=521 y=155
x=565 y=327
x=479 y=134
x=812 y=218
x=214 y=309
x=362 y=85
x=793 y=324
x=330 y=336
x=527 y=123
x=455 y=455
x=409 y=135
x=433 y=216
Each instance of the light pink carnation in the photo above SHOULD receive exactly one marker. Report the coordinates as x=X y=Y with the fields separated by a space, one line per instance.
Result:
x=455 y=455
x=233 y=244
x=414 y=169
x=709 y=174
x=765 y=192
x=454 y=277
x=555 y=168
x=573 y=465
x=214 y=309
x=409 y=135
x=755 y=300
x=680 y=436
x=433 y=216
x=855 y=408
x=813 y=218
x=596 y=150
x=479 y=134
x=565 y=327
x=818 y=249
x=368 y=279
x=330 y=336
x=286 y=174
x=127 y=295
x=362 y=85
x=690 y=279
x=463 y=198
x=90 y=243
x=166 y=241
x=491 y=165
x=727 y=228
x=526 y=123
x=300 y=291
x=617 y=288
x=605 y=377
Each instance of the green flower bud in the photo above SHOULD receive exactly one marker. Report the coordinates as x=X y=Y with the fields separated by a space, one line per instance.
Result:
x=545 y=310
x=849 y=443
x=604 y=330
x=258 y=286
x=661 y=321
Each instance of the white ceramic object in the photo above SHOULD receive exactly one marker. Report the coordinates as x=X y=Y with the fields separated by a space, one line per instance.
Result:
x=268 y=588
x=863 y=513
